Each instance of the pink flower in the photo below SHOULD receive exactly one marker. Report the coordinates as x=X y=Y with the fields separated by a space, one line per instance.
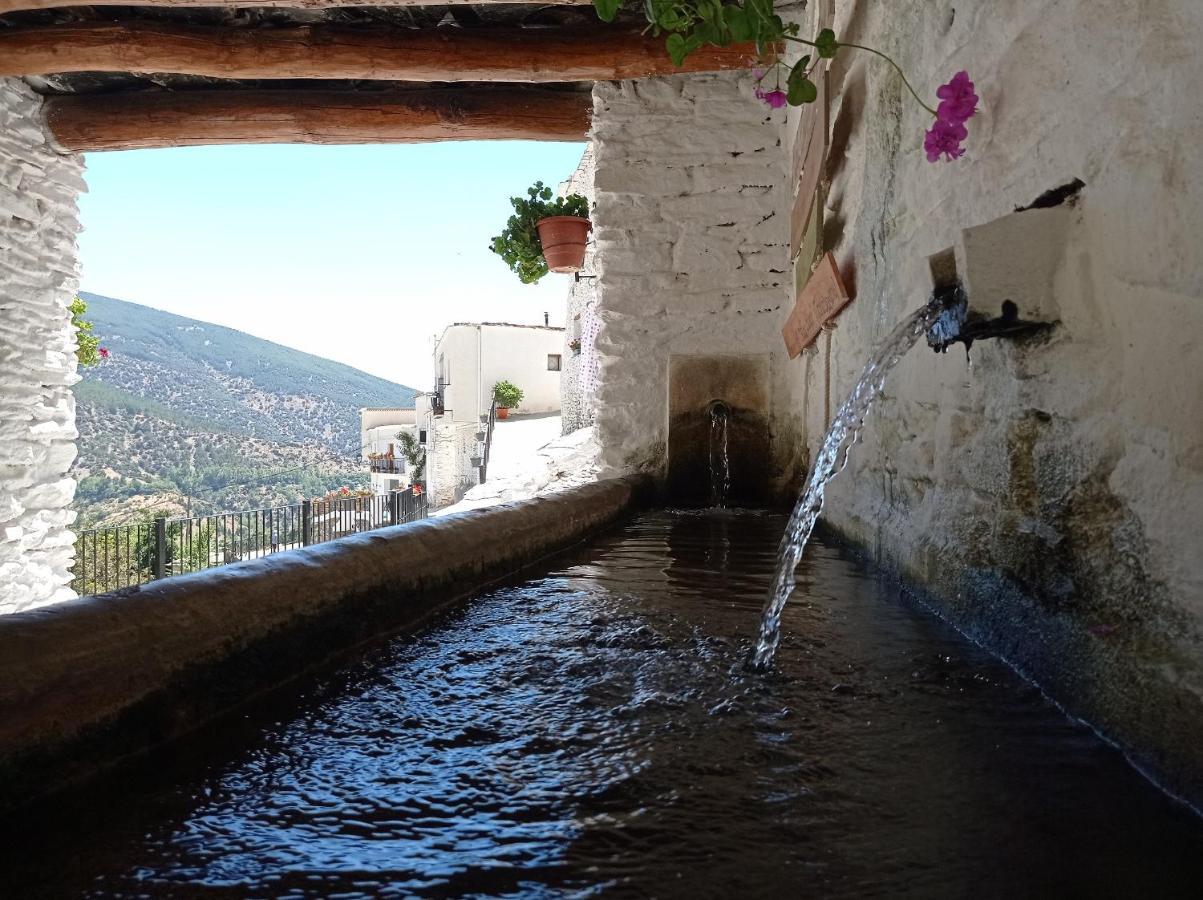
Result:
x=775 y=99
x=958 y=101
x=758 y=73
x=945 y=138
x=104 y=352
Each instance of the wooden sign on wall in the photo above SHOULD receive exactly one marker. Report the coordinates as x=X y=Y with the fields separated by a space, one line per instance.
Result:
x=818 y=303
x=810 y=145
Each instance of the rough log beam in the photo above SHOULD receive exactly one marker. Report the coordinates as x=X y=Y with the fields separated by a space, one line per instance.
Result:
x=604 y=53
x=133 y=121
x=8 y=6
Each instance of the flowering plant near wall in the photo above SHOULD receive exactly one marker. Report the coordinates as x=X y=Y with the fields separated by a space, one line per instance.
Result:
x=690 y=24
x=88 y=351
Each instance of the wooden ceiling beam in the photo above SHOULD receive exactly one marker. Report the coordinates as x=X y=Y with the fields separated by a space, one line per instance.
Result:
x=8 y=6
x=603 y=53
x=142 y=120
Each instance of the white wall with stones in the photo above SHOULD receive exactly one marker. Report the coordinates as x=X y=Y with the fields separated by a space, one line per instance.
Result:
x=1050 y=494
x=38 y=224
x=578 y=379
x=449 y=470
x=691 y=231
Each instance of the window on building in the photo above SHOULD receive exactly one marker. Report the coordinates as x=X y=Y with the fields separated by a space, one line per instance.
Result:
x=421 y=435
x=553 y=362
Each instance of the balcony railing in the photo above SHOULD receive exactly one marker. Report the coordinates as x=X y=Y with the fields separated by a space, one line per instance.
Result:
x=385 y=466
x=127 y=555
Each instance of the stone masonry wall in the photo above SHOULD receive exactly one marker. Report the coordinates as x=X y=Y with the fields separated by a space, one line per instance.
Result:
x=578 y=374
x=38 y=224
x=449 y=471
x=1050 y=494
x=691 y=234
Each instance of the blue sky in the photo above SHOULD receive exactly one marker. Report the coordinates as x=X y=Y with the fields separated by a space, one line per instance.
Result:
x=359 y=254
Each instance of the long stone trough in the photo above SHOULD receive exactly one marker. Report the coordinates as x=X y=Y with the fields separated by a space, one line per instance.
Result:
x=90 y=682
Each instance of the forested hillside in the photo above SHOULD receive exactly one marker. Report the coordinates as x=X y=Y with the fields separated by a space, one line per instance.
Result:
x=186 y=414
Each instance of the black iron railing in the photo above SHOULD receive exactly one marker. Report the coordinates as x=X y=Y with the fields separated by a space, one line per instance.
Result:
x=107 y=559
x=386 y=466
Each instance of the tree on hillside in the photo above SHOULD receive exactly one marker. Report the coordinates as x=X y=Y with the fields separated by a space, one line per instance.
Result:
x=414 y=454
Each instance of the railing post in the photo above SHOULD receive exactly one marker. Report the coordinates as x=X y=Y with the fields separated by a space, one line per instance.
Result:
x=394 y=508
x=306 y=523
x=159 y=565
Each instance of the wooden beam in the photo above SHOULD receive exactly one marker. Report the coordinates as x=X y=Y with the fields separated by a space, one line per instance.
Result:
x=8 y=6
x=604 y=53
x=132 y=121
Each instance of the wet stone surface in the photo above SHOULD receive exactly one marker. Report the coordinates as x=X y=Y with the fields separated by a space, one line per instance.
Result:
x=594 y=732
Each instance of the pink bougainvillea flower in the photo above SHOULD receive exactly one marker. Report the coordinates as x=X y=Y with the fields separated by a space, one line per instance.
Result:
x=958 y=102
x=104 y=352
x=775 y=99
x=944 y=138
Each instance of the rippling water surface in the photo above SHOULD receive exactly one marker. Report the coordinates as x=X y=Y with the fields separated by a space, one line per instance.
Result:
x=594 y=732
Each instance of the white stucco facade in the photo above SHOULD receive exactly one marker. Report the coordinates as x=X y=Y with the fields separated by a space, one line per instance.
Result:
x=470 y=358
x=38 y=278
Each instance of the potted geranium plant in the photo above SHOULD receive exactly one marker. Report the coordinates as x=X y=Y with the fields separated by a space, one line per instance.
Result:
x=544 y=234
x=507 y=396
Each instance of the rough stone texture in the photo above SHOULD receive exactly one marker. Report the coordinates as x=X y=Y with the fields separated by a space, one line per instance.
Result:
x=38 y=224
x=578 y=374
x=449 y=470
x=86 y=682
x=1050 y=495
x=692 y=245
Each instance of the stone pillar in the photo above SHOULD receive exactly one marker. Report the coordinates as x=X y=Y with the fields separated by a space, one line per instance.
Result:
x=692 y=244
x=38 y=278
x=578 y=374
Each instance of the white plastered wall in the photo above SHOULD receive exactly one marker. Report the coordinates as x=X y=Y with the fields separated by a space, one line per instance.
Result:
x=691 y=234
x=38 y=224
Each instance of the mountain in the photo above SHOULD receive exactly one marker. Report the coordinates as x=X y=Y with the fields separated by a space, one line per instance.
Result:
x=186 y=413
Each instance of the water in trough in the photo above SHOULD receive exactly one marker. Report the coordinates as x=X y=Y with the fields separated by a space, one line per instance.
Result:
x=594 y=731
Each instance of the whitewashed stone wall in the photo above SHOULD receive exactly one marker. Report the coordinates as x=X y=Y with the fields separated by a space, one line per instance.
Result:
x=578 y=377
x=1051 y=494
x=449 y=472
x=691 y=235
x=38 y=224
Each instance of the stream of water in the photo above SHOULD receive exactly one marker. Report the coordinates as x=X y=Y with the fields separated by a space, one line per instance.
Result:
x=832 y=458
x=720 y=460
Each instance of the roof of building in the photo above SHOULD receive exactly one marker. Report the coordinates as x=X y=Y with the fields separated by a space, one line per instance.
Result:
x=505 y=325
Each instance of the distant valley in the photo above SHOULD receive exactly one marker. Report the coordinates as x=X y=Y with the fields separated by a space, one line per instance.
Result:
x=189 y=416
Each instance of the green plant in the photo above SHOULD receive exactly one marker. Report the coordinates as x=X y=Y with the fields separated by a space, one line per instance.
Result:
x=506 y=394
x=518 y=245
x=691 y=24
x=414 y=454
x=87 y=345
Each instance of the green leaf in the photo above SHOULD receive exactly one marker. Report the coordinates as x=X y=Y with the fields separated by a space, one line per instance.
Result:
x=607 y=9
x=826 y=43
x=798 y=72
x=801 y=90
x=736 y=18
x=677 y=51
x=707 y=32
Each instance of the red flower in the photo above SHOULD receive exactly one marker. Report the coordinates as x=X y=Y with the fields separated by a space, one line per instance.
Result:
x=104 y=352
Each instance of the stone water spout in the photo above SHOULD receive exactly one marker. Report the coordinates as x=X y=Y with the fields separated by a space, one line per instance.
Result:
x=959 y=324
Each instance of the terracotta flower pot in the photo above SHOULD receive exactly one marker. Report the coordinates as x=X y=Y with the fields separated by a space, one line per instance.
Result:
x=563 y=239
x=503 y=412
